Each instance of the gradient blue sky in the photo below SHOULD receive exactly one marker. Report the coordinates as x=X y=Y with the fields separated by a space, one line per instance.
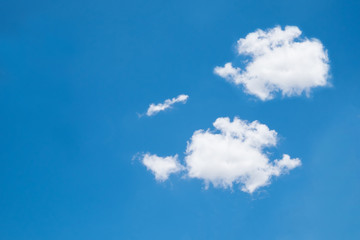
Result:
x=74 y=75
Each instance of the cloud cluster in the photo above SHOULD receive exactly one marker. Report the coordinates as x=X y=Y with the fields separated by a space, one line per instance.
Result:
x=279 y=61
x=275 y=61
x=155 y=108
x=231 y=154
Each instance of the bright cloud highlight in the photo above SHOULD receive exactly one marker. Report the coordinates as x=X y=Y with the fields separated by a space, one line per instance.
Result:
x=280 y=61
x=232 y=154
x=155 y=108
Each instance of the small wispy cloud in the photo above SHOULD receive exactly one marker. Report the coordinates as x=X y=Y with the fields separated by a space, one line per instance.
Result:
x=162 y=167
x=156 y=108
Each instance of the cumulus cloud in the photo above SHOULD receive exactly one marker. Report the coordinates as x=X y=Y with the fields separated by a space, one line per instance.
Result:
x=162 y=167
x=155 y=108
x=233 y=153
x=279 y=61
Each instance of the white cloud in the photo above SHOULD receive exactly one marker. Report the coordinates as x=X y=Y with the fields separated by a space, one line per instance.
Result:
x=280 y=61
x=233 y=154
x=155 y=108
x=162 y=167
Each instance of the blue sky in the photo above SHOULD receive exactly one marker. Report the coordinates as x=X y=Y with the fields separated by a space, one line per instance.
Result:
x=74 y=75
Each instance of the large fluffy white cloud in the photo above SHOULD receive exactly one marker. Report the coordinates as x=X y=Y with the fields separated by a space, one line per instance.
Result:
x=161 y=167
x=279 y=61
x=155 y=108
x=234 y=153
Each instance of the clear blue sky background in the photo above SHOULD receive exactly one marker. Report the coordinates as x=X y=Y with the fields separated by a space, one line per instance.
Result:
x=74 y=75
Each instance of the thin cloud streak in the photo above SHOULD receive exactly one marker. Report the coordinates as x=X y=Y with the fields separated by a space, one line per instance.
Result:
x=156 y=108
